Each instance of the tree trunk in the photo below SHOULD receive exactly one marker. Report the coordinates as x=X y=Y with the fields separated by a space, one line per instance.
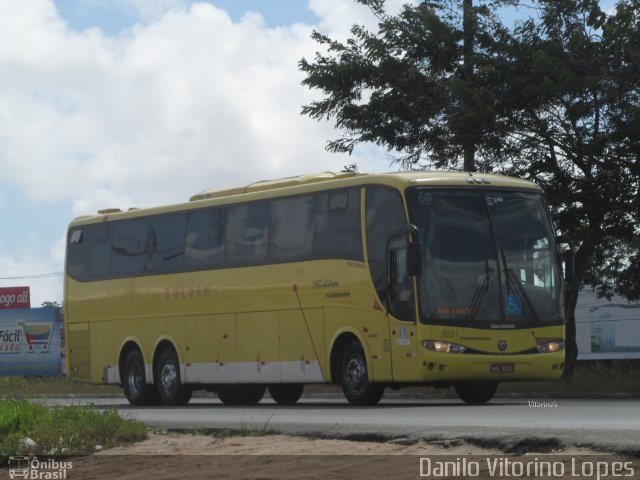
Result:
x=469 y=157
x=467 y=54
x=583 y=260
x=571 y=346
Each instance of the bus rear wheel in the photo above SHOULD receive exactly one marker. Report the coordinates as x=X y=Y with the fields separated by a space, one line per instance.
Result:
x=286 y=394
x=476 y=393
x=168 y=382
x=135 y=383
x=240 y=394
x=355 y=377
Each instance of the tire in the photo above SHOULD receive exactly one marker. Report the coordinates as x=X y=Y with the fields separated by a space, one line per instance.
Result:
x=476 y=393
x=377 y=391
x=286 y=394
x=169 y=386
x=135 y=383
x=240 y=394
x=355 y=377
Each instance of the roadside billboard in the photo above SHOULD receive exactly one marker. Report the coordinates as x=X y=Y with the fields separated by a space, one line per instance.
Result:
x=607 y=330
x=15 y=297
x=30 y=342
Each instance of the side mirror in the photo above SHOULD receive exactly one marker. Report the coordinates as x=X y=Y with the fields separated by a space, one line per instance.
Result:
x=414 y=259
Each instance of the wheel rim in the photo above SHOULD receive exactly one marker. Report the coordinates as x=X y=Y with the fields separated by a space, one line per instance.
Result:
x=168 y=377
x=355 y=374
x=135 y=379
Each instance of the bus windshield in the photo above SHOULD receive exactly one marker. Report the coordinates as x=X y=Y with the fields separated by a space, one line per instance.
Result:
x=489 y=258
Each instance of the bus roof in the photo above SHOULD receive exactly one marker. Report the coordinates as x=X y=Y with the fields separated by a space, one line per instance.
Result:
x=274 y=184
x=308 y=183
x=397 y=178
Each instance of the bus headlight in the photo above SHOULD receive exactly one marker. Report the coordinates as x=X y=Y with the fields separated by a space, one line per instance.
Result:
x=444 y=347
x=551 y=347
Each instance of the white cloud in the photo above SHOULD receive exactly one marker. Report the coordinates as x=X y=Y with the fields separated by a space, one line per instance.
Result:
x=151 y=10
x=337 y=16
x=100 y=199
x=188 y=102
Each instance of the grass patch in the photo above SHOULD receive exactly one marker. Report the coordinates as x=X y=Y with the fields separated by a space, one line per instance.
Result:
x=45 y=386
x=69 y=430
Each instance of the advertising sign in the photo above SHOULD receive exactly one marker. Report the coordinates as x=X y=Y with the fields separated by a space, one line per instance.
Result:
x=607 y=330
x=30 y=342
x=15 y=297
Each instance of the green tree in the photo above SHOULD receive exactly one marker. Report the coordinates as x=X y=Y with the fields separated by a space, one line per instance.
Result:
x=50 y=304
x=554 y=98
x=422 y=85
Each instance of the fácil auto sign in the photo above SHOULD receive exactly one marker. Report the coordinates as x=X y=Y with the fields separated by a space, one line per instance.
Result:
x=15 y=297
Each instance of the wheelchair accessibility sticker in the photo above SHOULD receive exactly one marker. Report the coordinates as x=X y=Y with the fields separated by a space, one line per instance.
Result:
x=512 y=305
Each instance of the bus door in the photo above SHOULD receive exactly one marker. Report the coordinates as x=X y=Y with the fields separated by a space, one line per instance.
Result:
x=403 y=333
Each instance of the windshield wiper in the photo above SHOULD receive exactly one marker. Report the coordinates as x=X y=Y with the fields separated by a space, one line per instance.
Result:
x=482 y=289
x=512 y=279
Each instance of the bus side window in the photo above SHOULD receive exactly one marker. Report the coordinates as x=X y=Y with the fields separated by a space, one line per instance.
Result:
x=167 y=253
x=100 y=251
x=292 y=228
x=337 y=225
x=129 y=247
x=204 y=245
x=78 y=254
x=247 y=234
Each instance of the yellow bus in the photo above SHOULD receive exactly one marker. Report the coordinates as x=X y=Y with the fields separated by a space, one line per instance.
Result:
x=367 y=281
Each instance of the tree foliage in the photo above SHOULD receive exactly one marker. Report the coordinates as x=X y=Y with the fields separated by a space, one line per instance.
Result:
x=405 y=87
x=51 y=304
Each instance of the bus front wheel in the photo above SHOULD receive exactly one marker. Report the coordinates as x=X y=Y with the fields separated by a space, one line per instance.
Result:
x=355 y=377
x=168 y=383
x=286 y=394
x=476 y=393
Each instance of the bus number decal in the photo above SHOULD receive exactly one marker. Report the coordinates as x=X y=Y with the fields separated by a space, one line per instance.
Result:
x=446 y=333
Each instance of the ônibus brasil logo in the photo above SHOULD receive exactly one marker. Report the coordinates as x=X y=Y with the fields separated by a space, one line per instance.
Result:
x=34 y=469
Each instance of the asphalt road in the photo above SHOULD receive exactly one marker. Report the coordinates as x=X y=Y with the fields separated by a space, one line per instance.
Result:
x=512 y=425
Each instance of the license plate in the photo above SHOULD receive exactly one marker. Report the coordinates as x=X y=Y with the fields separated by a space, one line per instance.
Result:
x=502 y=368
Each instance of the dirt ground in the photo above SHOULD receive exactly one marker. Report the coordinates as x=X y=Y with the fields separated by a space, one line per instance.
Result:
x=172 y=456
x=181 y=444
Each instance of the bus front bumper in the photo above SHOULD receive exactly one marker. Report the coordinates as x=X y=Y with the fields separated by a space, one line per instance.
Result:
x=445 y=367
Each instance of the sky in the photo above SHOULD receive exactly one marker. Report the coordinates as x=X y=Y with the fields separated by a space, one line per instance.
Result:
x=138 y=103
